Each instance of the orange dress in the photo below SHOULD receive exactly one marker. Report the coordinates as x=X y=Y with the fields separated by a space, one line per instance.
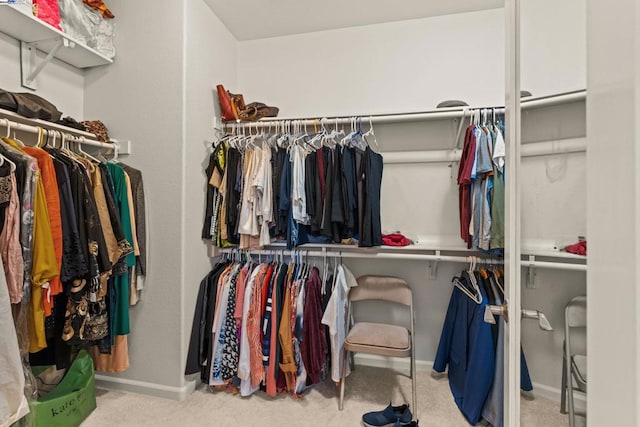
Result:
x=50 y=183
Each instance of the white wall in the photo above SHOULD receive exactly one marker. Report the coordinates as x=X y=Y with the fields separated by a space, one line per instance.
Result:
x=413 y=65
x=140 y=97
x=168 y=114
x=384 y=68
x=59 y=83
x=210 y=58
x=613 y=212
x=553 y=46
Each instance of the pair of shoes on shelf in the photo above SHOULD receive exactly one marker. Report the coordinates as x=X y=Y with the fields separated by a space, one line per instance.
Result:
x=233 y=108
x=391 y=416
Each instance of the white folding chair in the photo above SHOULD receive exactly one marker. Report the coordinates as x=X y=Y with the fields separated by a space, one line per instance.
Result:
x=574 y=366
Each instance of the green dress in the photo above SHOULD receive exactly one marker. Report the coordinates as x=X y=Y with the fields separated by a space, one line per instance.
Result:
x=120 y=277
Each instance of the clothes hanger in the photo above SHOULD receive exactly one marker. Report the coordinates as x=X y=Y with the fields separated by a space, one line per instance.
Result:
x=317 y=136
x=51 y=135
x=42 y=138
x=357 y=140
x=64 y=145
x=3 y=158
x=78 y=141
x=15 y=139
x=348 y=137
x=476 y=298
x=12 y=165
x=370 y=132
x=472 y=279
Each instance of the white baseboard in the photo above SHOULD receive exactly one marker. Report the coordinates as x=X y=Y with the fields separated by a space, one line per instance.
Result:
x=143 y=387
x=399 y=364
x=554 y=394
x=402 y=365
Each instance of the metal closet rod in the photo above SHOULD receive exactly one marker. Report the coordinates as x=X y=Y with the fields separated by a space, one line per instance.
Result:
x=441 y=113
x=334 y=253
x=545 y=148
x=35 y=129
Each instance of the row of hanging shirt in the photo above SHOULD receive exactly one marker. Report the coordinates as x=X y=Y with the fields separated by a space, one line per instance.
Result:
x=481 y=183
x=271 y=326
x=318 y=187
x=72 y=246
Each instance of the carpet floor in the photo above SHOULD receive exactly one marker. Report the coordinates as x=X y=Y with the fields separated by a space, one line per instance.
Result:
x=367 y=389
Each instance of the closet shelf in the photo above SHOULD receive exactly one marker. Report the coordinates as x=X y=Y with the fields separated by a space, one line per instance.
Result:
x=19 y=23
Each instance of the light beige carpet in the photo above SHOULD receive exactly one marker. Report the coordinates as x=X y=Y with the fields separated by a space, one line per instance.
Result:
x=367 y=389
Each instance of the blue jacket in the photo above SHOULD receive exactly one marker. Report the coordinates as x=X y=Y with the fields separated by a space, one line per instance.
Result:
x=466 y=345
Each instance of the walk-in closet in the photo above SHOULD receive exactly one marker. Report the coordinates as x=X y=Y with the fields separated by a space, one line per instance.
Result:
x=298 y=159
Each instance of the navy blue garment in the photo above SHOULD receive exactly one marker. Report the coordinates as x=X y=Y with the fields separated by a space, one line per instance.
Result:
x=525 y=379
x=278 y=159
x=350 y=191
x=371 y=176
x=285 y=203
x=466 y=346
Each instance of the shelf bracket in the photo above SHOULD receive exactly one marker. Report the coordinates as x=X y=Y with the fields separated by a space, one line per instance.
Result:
x=432 y=267
x=29 y=70
x=531 y=273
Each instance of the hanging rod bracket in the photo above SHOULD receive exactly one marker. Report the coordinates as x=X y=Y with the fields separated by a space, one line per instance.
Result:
x=496 y=310
x=29 y=68
x=543 y=322
x=432 y=267
x=531 y=273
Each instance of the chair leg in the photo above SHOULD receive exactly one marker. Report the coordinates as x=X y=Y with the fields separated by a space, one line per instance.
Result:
x=342 y=380
x=563 y=388
x=572 y=415
x=341 y=405
x=413 y=384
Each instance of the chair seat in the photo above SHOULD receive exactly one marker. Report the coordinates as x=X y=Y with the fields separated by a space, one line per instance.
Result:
x=380 y=339
x=579 y=364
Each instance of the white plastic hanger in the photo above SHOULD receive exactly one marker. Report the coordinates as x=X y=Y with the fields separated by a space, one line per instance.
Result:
x=83 y=153
x=2 y=157
x=477 y=298
x=15 y=139
x=373 y=134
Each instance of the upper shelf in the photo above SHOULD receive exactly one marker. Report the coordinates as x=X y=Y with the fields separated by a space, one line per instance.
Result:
x=18 y=23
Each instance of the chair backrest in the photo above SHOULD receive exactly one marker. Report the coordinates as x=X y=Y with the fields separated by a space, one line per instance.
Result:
x=576 y=312
x=382 y=288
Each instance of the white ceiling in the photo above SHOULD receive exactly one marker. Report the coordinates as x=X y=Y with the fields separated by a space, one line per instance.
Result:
x=257 y=19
